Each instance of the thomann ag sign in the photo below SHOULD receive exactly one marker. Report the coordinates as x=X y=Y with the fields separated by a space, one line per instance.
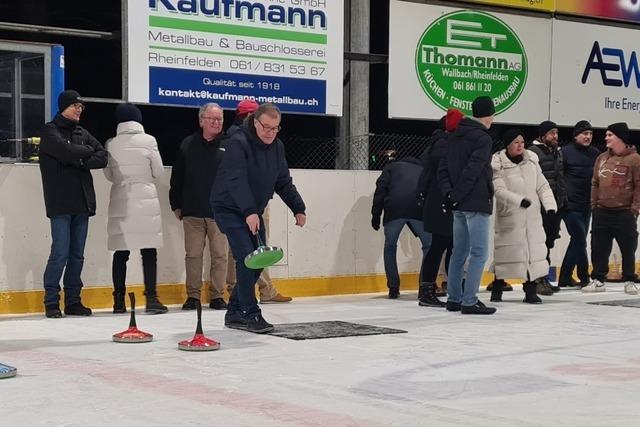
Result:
x=441 y=57
x=467 y=54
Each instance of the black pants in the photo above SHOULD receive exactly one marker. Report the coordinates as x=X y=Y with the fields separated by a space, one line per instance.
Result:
x=551 y=224
x=609 y=225
x=433 y=258
x=149 y=271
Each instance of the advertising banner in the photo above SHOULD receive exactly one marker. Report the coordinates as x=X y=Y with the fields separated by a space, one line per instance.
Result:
x=190 y=52
x=545 y=5
x=442 y=57
x=596 y=75
x=627 y=10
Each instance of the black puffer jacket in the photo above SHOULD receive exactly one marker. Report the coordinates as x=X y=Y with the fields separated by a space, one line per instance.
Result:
x=250 y=172
x=435 y=220
x=67 y=153
x=397 y=191
x=552 y=167
x=578 y=170
x=465 y=171
x=193 y=174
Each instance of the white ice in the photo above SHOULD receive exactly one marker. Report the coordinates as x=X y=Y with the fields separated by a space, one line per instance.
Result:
x=565 y=362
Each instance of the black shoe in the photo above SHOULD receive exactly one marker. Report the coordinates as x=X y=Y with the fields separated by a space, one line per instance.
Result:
x=154 y=306
x=568 y=283
x=394 y=293
x=497 y=286
x=530 y=294
x=218 y=304
x=118 y=303
x=507 y=287
x=77 y=309
x=453 y=306
x=190 y=304
x=258 y=325
x=477 y=308
x=52 y=311
x=428 y=296
x=235 y=320
x=543 y=287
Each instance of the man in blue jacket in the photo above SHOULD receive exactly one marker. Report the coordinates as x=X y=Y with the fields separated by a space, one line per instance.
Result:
x=465 y=178
x=578 y=160
x=397 y=195
x=253 y=167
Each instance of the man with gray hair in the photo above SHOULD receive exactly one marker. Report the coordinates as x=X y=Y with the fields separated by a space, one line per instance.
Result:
x=192 y=178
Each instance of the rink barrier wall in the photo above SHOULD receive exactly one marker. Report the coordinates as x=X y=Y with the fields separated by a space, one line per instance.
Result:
x=337 y=252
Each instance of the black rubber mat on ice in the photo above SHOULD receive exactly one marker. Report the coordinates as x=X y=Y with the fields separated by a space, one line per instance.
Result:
x=328 y=329
x=620 y=303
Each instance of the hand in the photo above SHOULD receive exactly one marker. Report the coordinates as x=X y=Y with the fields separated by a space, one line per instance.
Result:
x=525 y=203
x=253 y=221
x=301 y=219
x=375 y=223
x=178 y=214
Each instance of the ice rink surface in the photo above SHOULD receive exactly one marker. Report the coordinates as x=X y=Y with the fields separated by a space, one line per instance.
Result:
x=565 y=363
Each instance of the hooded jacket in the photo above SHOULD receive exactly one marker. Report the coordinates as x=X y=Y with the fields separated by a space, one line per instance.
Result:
x=552 y=165
x=397 y=191
x=249 y=174
x=616 y=181
x=465 y=171
x=67 y=154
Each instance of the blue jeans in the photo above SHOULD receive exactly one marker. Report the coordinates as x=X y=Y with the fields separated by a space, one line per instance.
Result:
x=470 y=239
x=242 y=243
x=392 y=231
x=577 y=223
x=68 y=234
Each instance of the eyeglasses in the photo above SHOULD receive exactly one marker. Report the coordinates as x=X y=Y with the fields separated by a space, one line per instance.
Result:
x=213 y=119
x=269 y=129
x=78 y=106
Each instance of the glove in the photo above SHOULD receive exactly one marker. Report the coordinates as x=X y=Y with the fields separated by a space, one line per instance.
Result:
x=375 y=223
x=448 y=205
x=551 y=211
x=525 y=203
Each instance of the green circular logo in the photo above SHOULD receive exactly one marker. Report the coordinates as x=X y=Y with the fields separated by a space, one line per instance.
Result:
x=466 y=54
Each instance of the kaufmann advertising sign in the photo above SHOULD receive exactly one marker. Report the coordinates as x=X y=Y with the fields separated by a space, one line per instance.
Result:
x=441 y=57
x=596 y=74
x=190 y=52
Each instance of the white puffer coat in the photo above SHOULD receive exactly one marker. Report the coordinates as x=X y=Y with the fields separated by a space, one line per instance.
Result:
x=134 y=208
x=520 y=250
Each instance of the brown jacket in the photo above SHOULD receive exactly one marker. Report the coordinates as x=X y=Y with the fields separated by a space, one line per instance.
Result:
x=615 y=183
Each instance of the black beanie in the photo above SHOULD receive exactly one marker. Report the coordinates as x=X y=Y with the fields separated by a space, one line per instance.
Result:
x=67 y=98
x=581 y=126
x=483 y=106
x=545 y=127
x=128 y=113
x=510 y=135
x=621 y=130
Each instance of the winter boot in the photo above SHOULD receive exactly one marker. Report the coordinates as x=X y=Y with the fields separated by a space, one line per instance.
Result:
x=154 y=306
x=427 y=295
x=118 y=303
x=496 y=290
x=530 y=293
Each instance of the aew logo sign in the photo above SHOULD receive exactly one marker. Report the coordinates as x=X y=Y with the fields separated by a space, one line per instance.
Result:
x=614 y=67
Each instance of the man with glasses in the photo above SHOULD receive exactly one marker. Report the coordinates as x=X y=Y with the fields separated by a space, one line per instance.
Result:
x=67 y=154
x=192 y=178
x=253 y=167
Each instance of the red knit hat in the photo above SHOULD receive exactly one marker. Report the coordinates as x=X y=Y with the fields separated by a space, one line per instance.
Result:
x=246 y=106
x=453 y=119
